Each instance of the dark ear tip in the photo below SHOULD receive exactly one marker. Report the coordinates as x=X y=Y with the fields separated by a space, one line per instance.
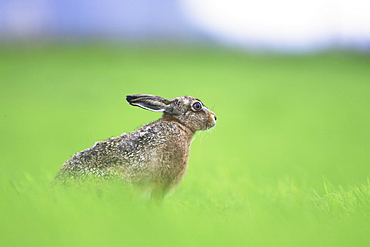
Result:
x=131 y=98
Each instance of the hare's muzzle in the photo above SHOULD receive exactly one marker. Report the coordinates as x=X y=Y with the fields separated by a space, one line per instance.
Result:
x=212 y=120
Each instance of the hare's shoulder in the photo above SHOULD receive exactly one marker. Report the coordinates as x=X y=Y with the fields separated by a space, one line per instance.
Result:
x=151 y=134
x=126 y=145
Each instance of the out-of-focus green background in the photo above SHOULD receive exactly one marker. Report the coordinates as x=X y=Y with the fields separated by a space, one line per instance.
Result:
x=287 y=164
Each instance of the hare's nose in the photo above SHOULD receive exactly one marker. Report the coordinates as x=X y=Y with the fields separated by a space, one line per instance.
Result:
x=214 y=116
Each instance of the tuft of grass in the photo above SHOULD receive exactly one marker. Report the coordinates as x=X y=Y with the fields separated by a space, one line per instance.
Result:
x=345 y=201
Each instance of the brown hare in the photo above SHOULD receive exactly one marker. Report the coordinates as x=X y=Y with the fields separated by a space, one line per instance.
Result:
x=153 y=157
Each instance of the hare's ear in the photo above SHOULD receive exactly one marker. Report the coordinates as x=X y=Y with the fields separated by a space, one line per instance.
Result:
x=149 y=102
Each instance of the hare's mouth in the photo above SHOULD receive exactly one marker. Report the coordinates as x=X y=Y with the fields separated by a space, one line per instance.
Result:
x=210 y=125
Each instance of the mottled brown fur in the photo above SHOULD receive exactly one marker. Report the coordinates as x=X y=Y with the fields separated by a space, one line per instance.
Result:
x=153 y=157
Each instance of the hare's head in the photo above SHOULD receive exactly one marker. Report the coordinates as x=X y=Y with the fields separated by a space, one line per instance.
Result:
x=186 y=110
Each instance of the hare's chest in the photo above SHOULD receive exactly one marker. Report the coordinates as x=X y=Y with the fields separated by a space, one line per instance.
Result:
x=173 y=160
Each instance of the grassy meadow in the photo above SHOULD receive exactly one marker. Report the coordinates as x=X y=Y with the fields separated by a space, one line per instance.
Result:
x=288 y=163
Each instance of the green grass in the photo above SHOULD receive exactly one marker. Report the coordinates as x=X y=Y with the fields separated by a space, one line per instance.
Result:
x=287 y=164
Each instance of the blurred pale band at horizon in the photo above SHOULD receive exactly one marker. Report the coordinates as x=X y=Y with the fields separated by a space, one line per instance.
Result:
x=286 y=25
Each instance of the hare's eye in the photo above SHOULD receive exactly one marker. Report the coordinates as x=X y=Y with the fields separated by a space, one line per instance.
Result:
x=197 y=106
